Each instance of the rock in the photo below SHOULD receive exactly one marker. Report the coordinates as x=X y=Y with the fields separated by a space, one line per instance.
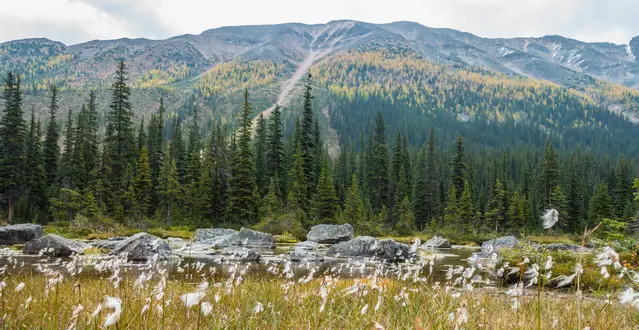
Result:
x=222 y=241
x=562 y=247
x=369 y=247
x=107 y=244
x=142 y=247
x=176 y=243
x=307 y=246
x=304 y=255
x=498 y=244
x=207 y=234
x=241 y=254
x=19 y=234
x=256 y=239
x=330 y=234
x=437 y=243
x=54 y=246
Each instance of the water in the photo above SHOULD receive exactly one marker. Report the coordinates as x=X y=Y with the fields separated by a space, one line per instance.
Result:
x=272 y=263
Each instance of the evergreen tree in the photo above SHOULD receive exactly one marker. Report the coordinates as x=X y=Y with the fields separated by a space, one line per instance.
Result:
x=600 y=204
x=623 y=197
x=169 y=188
x=296 y=198
x=260 y=156
x=459 y=167
x=405 y=219
x=142 y=185
x=155 y=143
x=497 y=208
x=575 y=211
x=516 y=211
x=325 y=202
x=178 y=150
x=465 y=205
x=34 y=173
x=142 y=138
x=243 y=196
x=354 y=211
x=378 y=176
x=451 y=212
x=307 y=138
x=51 y=149
x=12 y=141
x=275 y=147
x=549 y=174
x=66 y=168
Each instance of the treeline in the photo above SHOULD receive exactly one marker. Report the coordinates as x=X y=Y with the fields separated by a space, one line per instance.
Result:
x=138 y=174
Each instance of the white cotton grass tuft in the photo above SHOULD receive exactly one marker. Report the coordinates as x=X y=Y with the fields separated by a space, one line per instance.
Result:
x=19 y=287
x=630 y=297
x=192 y=298
x=116 y=305
x=550 y=218
x=206 y=308
x=258 y=308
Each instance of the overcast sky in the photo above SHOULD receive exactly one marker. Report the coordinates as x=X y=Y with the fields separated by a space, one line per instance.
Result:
x=75 y=21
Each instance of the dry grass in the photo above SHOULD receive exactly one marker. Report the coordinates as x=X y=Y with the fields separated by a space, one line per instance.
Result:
x=290 y=304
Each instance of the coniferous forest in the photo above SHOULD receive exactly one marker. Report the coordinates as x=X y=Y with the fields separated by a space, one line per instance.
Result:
x=276 y=175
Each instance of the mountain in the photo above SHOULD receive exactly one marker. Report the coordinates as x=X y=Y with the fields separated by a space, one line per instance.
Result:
x=400 y=67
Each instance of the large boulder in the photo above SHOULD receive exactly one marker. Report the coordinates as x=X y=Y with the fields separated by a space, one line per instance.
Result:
x=54 y=246
x=304 y=255
x=19 y=234
x=107 y=244
x=208 y=234
x=497 y=244
x=562 y=247
x=369 y=247
x=437 y=242
x=330 y=234
x=142 y=247
x=240 y=254
x=256 y=239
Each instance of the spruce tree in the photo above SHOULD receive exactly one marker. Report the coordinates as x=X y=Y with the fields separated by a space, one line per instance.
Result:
x=325 y=202
x=378 y=173
x=600 y=205
x=459 y=167
x=142 y=185
x=34 y=173
x=275 y=147
x=260 y=156
x=451 y=212
x=243 y=196
x=168 y=188
x=66 y=168
x=549 y=174
x=465 y=205
x=51 y=149
x=12 y=141
x=498 y=207
x=296 y=198
x=178 y=150
x=307 y=138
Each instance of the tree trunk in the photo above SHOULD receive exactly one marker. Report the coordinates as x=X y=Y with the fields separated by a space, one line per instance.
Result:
x=10 y=214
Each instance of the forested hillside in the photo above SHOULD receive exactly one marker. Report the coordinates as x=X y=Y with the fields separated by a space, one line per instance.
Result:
x=423 y=147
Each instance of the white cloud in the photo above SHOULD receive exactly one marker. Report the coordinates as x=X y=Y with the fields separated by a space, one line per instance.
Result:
x=72 y=21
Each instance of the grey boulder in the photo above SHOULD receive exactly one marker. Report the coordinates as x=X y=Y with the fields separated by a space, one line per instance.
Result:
x=307 y=246
x=256 y=239
x=304 y=255
x=107 y=244
x=562 y=247
x=330 y=234
x=19 y=234
x=142 y=247
x=369 y=247
x=207 y=234
x=437 y=243
x=54 y=246
x=240 y=254
x=497 y=244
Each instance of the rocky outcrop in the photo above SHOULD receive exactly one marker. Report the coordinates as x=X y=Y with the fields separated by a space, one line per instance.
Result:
x=256 y=239
x=240 y=254
x=369 y=247
x=436 y=242
x=330 y=234
x=19 y=234
x=54 y=246
x=107 y=244
x=497 y=244
x=142 y=247
x=304 y=256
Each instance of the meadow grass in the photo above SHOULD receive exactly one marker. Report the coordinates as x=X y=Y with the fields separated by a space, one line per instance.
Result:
x=270 y=302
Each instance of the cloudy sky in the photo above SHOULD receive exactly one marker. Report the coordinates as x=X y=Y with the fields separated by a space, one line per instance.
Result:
x=74 y=21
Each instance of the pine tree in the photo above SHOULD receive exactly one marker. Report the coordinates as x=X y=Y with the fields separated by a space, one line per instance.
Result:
x=378 y=176
x=623 y=187
x=296 y=198
x=142 y=138
x=243 y=196
x=459 y=167
x=600 y=204
x=575 y=211
x=260 y=156
x=275 y=147
x=119 y=131
x=451 y=212
x=549 y=174
x=325 y=202
x=516 y=211
x=168 y=188
x=155 y=143
x=66 y=168
x=178 y=150
x=88 y=140
x=34 y=173
x=272 y=202
x=307 y=138
x=12 y=140
x=354 y=211
x=51 y=149
x=142 y=185
x=465 y=205
x=497 y=207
